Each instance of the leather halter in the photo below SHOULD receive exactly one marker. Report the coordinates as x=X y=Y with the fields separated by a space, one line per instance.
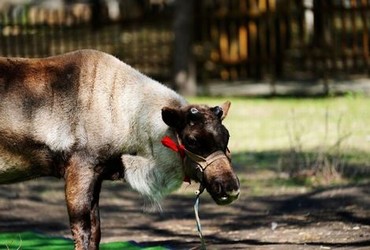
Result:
x=201 y=162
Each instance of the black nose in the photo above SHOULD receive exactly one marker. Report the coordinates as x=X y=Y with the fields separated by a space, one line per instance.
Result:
x=218 y=187
x=232 y=186
x=225 y=189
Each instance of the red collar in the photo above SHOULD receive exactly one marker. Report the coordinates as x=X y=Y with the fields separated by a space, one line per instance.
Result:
x=179 y=148
x=169 y=143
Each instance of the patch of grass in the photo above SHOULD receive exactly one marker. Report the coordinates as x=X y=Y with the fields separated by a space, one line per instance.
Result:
x=265 y=132
x=34 y=241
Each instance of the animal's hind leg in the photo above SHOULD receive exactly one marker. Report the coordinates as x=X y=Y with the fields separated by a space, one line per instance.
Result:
x=82 y=192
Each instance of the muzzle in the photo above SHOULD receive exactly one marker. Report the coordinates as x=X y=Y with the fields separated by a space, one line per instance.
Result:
x=221 y=194
x=202 y=163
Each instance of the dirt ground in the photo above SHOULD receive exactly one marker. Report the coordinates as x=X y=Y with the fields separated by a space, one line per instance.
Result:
x=329 y=218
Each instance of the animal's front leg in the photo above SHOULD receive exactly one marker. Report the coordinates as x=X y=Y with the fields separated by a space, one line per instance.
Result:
x=95 y=217
x=82 y=197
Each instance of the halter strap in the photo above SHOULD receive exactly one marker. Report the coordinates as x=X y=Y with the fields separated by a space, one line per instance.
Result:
x=201 y=162
x=205 y=162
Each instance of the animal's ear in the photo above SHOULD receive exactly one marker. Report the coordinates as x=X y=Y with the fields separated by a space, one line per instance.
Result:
x=173 y=117
x=225 y=109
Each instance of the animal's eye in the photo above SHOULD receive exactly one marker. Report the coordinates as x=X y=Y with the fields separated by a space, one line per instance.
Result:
x=194 y=114
x=194 y=111
x=191 y=142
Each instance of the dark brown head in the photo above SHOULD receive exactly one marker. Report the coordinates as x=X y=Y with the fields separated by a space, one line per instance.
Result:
x=205 y=139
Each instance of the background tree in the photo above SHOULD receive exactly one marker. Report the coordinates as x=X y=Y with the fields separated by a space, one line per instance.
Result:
x=184 y=69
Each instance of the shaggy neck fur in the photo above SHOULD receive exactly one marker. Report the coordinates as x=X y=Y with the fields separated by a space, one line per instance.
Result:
x=150 y=168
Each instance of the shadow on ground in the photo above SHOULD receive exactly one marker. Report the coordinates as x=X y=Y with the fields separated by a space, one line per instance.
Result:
x=337 y=216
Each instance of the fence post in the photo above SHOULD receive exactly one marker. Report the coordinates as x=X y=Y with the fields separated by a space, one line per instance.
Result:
x=97 y=18
x=321 y=41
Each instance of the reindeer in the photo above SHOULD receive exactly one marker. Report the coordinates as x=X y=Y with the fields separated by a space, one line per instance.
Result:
x=87 y=117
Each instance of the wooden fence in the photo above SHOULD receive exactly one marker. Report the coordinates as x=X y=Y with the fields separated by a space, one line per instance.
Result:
x=282 y=39
x=139 y=35
x=233 y=39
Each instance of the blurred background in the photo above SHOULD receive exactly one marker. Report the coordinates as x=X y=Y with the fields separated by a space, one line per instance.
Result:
x=193 y=45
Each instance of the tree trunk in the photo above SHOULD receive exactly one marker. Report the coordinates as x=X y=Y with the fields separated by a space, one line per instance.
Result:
x=184 y=69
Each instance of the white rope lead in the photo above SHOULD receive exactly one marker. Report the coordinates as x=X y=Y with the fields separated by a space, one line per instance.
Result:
x=196 y=208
